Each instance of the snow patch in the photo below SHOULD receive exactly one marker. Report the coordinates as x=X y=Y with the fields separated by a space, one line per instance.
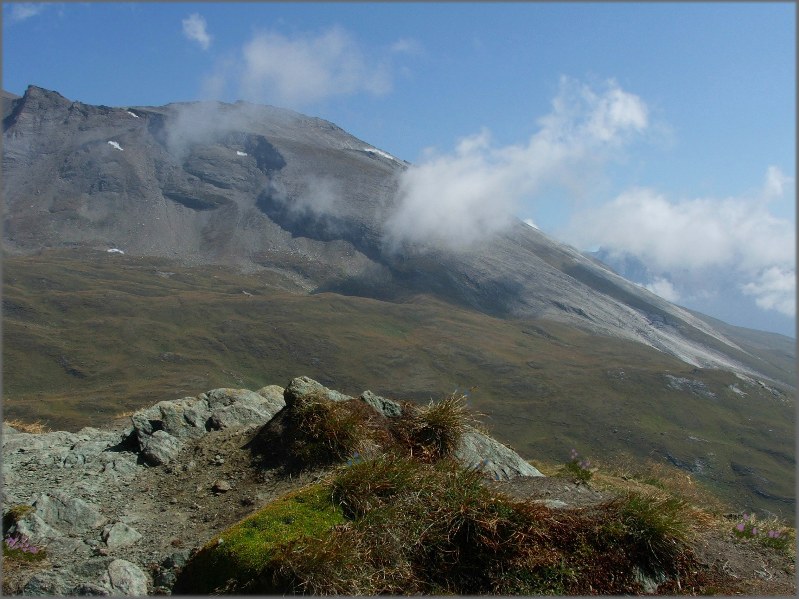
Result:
x=380 y=153
x=114 y=144
x=734 y=388
x=133 y=114
x=115 y=250
x=240 y=153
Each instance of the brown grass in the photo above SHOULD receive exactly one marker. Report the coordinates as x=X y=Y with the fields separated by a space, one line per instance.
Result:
x=36 y=428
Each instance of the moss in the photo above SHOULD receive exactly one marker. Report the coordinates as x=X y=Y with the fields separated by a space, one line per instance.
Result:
x=232 y=560
x=14 y=514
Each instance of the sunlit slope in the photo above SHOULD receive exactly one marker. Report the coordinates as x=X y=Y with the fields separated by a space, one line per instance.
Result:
x=87 y=335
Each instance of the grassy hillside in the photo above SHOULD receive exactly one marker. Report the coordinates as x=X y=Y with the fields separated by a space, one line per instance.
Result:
x=87 y=335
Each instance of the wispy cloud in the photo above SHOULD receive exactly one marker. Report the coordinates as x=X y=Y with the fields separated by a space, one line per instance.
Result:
x=407 y=46
x=25 y=10
x=196 y=29
x=664 y=288
x=302 y=70
x=691 y=240
x=461 y=198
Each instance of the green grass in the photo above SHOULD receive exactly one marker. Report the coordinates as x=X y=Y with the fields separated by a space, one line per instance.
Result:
x=87 y=337
x=231 y=561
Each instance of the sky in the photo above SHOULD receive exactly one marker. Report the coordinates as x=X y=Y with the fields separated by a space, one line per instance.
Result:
x=661 y=131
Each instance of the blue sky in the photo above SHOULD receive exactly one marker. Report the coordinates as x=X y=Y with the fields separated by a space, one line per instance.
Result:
x=692 y=171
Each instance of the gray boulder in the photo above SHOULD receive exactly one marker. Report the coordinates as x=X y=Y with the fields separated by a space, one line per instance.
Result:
x=126 y=578
x=119 y=535
x=478 y=450
x=94 y=576
x=180 y=418
x=159 y=448
x=36 y=529
x=70 y=515
x=303 y=386
x=386 y=407
x=241 y=407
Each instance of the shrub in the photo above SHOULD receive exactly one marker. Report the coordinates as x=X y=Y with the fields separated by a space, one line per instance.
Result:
x=579 y=469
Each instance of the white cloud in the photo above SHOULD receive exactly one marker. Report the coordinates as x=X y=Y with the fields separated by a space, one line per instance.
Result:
x=774 y=289
x=304 y=70
x=195 y=29
x=457 y=199
x=25 y=10
x=664 y=288
x=701 y=241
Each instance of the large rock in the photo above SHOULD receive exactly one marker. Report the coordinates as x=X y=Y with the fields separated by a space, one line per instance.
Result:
x=126 y=578
x=161 y=430
x=94 y=576
x=303 y=386
x=478 y=450
x=160 y=448
x=241 y=407
x=70 y=515
x=119 y=534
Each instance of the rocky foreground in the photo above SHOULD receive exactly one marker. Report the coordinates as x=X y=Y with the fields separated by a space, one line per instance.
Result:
x=120 y=511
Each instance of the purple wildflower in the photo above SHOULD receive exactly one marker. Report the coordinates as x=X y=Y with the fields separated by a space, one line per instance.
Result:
x=740 y=527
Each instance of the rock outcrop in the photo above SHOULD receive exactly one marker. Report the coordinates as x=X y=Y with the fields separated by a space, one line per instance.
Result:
x=109 y=507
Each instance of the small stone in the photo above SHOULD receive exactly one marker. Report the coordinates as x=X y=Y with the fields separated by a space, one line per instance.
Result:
x=173 y=501
x=221 y=486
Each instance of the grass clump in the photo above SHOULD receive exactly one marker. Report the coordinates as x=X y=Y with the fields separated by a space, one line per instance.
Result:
x=654 y=527
x=321 y=431
x=433 y=431
x=405 y=526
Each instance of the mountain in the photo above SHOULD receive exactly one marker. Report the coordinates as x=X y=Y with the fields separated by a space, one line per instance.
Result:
x=265 y=188
x=151 y=250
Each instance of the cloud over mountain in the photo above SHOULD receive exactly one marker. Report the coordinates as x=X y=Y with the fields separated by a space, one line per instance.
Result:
x=683 y=241
x=473 y=192
x=297 y=71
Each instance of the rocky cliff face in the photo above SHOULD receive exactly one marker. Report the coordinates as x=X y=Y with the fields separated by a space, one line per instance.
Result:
x=119 y=511
x=263 y=188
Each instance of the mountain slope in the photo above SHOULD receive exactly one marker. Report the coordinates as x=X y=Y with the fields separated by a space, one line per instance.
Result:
x=264 y=188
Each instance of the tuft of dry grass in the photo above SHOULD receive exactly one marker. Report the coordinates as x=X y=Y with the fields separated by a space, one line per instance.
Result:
x=433 y=431
x=36 y=428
